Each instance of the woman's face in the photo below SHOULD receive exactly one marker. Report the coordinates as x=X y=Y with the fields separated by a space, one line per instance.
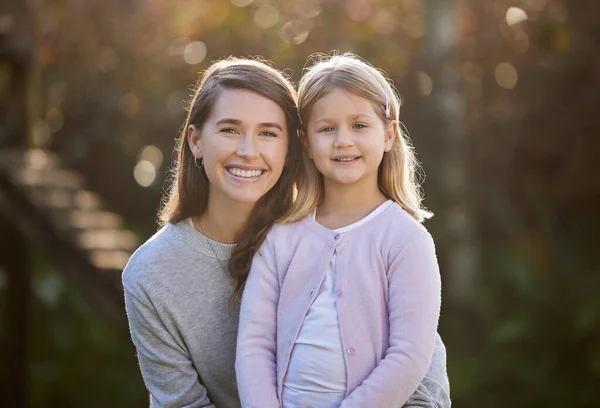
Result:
x=244 y=144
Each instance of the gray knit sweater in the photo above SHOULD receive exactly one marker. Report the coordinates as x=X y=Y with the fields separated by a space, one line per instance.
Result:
x=176 y=293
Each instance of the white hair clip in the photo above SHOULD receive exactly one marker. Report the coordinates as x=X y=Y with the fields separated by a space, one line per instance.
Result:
x=387 y=102
x=387 y=105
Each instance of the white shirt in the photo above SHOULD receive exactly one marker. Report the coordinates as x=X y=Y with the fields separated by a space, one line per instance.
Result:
x=316 y=376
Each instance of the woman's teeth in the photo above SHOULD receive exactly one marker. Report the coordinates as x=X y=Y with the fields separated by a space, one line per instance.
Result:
x=346 y=159
x=244 y=173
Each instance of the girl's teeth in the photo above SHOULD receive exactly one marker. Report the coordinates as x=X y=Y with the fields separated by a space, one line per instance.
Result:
x=245 y=173
x=347 y=159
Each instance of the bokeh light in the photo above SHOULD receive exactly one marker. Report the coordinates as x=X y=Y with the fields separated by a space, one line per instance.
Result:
x=515 y=15
x=152 y=154
x=194 y=53
x=424 y=83
x=144 y=173
x=506 y=75
x=266 y=17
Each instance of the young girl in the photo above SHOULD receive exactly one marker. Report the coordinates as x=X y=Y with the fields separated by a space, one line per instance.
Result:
x=342 y=302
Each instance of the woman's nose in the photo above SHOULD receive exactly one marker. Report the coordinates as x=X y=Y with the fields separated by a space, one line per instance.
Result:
x=247 y=148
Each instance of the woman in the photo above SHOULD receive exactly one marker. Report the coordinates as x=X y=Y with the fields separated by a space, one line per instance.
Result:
x=238 y=156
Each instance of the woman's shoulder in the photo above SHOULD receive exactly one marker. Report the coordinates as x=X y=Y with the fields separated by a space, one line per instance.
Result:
x=150 y=259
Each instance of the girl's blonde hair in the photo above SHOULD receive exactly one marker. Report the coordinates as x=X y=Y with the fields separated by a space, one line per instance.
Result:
x=398 y=171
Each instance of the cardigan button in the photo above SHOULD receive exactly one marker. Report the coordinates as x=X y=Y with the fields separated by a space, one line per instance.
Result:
x=337 y=236
x=312 y=292
x=351 y=351
x=340 y=292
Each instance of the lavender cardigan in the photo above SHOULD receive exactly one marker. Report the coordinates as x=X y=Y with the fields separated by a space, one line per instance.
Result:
x=388 y=286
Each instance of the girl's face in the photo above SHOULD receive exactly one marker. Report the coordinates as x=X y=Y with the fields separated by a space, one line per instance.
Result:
x=243 y=144
x=346 y=139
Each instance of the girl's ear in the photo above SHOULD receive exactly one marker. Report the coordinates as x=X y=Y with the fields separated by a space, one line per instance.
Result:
x=304 y=141
x=390 y=135
x=194 y=141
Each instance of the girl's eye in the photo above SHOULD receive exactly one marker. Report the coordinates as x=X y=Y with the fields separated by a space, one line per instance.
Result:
x=326 y=129
x=360 y=126
x=269 y=133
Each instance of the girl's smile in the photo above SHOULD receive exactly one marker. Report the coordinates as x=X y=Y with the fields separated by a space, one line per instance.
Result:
x=347 y=139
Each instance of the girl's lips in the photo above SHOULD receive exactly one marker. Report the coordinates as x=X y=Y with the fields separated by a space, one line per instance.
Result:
x=346 y=159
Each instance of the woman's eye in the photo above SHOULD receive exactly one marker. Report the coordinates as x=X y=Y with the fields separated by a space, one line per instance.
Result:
x=269 y=133
x=360 y=126
x=228 y=130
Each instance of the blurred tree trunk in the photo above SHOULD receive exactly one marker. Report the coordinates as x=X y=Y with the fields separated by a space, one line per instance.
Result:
x=444 y=60
x=14 y=259
x=15 y=56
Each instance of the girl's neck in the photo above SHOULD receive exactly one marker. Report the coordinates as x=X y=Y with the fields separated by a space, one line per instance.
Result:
x=342 y=206
x=223 y=221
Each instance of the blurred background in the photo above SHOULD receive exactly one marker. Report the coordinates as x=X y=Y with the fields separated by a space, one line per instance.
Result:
x=501 y=100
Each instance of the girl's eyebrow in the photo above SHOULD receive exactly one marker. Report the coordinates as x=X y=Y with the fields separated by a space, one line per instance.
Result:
x=351 y=117
x=358 y=115
x=323 y=120
x=237 y=122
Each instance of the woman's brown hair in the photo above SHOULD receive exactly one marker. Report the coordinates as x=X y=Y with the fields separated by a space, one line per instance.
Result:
x=189 y=187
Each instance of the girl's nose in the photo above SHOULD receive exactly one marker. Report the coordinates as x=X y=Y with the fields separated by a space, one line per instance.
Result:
x=343 y=138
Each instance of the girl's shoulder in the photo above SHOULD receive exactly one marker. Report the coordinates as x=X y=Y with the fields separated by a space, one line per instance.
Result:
x=398 y=225
x=400 y=217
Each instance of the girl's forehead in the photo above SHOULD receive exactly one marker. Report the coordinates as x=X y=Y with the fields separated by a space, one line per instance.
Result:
x=341 y=101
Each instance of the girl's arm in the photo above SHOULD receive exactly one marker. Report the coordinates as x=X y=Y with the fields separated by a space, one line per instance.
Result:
x=167 y=369
x=255 y=363
x=414 y=307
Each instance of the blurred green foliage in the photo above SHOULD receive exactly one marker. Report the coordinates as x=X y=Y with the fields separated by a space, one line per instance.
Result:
x=77 y=358
x=112 y=77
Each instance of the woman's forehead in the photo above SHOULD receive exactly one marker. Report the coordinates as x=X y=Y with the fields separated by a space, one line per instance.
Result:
x=246 y=106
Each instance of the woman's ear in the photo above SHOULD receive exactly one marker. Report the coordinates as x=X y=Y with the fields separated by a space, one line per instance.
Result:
x=392 y=130
x=194 y=140
x=304 y=141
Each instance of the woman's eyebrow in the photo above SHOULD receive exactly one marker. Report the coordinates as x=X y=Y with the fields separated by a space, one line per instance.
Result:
x=229 y=121
x=237 y=122
x=271 y=125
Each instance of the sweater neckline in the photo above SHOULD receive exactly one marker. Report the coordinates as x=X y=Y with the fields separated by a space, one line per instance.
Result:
x=203 y=244
x=333 y=235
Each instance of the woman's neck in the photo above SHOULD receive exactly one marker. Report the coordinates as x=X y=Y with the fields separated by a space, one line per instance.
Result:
x=343 y=205
x=223 y=221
